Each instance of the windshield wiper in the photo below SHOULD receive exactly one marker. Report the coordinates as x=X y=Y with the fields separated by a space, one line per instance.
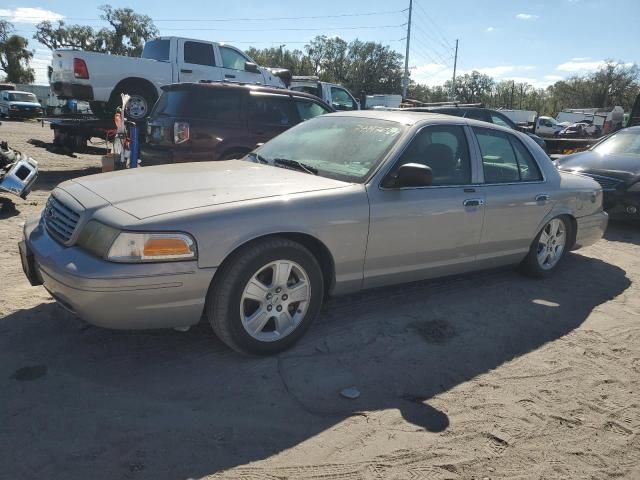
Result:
x=258 y=157
x=296 y=165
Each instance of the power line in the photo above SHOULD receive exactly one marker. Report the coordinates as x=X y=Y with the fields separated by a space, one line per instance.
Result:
x=434 y=39
x=436 y=27
x=281 y=29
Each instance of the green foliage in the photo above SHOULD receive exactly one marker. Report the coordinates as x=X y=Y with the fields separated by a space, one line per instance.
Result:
x=14 y=55
x=126 y=35
x=363 y=67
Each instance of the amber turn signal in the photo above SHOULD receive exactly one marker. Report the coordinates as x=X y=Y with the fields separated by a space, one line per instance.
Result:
x=165 y=246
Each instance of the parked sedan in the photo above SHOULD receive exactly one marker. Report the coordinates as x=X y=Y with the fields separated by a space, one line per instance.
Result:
x=340 y=203
x=614 y=163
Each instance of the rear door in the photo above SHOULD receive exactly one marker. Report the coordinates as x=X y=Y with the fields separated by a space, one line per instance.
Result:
x=516 y=194
x=307 y=108
x=270 y=114
x=197 y=61
x=233 y=63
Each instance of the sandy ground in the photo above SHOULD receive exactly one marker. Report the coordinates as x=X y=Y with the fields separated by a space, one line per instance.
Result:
x=489 y=375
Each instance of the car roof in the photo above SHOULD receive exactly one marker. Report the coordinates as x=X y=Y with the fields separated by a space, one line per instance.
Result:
x=242 y=86
x=413 y=118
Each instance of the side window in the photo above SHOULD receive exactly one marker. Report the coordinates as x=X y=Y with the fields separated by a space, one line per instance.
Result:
x=529 y=170
x=341 y=99
x=307 y=109
x=199 y=53
x=444 y=149
x=232 y=59
x=504 y=160
x=216 y=106
x=497 y=120
x=275 y=111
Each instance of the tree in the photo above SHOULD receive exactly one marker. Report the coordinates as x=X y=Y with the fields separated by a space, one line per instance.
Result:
x=472 y=87
x=15 y=55
x=126 y=36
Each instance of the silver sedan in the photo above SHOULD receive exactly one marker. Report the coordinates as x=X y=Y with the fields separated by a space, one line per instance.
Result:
x=338 y=204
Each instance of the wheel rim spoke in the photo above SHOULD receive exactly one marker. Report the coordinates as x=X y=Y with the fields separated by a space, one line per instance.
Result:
x=299 y=293
x=256 y=291
x=281 y=273
x=256 y=322
x=284 y=322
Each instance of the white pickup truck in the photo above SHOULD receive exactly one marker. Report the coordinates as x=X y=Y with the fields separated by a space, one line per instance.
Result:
x=335 y=95
x=100 y=78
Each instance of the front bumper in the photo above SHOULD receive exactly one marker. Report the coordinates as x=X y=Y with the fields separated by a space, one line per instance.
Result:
x=112 y=295
x=622 y=203
x=72 y=90
x=591 y=229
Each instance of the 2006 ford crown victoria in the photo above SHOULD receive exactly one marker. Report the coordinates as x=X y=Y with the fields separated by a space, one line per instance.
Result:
x=340 y=203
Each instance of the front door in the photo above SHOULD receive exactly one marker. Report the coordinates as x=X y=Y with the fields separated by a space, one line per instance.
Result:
x=417 y=233
x=196 y=61
x=234 y=67
x=270 y=115
x=517 y=197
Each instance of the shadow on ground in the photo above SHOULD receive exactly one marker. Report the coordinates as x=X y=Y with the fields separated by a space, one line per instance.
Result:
x=7 y=208
x=82 y=402
x=64 y=150
x=625 y=230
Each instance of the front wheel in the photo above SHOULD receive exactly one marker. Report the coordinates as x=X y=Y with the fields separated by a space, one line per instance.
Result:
x=548 y=249
x=266 y=296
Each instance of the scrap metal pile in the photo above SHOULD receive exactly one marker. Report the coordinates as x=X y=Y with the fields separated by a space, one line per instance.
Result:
x=18 y=171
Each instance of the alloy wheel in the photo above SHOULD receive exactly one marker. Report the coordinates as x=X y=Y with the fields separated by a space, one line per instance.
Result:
x=551 y=244
x=275 y=300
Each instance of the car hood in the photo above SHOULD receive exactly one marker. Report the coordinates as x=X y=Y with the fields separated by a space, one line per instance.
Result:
x=624 y=167
x=25 y=104
x=149 y=191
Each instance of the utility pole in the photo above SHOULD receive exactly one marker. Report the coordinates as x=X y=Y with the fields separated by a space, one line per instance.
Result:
x=405 y=80
x=455 y=66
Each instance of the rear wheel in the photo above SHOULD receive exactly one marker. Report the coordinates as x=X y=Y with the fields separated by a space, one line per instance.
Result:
x=265 y=296
x=548 y=249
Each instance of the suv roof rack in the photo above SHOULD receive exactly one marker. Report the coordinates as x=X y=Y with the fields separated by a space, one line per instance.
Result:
x=449 y=104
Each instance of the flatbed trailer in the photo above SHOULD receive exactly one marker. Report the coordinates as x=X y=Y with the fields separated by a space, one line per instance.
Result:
x=564 y=146
x=72 y=132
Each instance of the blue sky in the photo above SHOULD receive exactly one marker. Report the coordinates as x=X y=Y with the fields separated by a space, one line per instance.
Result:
x=537 y=41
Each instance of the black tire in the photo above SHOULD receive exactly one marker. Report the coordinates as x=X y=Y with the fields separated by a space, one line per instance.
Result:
x=147 y=93
x=531 y=267
x=225 y=294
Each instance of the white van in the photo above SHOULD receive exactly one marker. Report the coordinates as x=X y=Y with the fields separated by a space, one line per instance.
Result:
x=16 y=104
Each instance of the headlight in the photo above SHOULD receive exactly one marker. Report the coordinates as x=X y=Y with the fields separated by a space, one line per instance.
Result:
x=131 y=247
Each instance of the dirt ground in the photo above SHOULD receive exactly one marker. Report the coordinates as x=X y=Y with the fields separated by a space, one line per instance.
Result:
x=486 y=376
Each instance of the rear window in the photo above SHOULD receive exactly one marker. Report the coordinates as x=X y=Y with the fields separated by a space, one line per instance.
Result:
x=198 y=53
x=157 y=50
x=223 y=105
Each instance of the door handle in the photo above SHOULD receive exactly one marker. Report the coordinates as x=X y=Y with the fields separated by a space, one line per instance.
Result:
x=185 y=70
x=473 y=202
x=227 y=75
x=543 y=197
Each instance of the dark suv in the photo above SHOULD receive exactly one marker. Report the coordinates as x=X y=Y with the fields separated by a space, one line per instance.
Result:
x=479 y=113
x=218 y=121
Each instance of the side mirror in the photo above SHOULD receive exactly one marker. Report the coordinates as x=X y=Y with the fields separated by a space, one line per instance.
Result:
x=411 y=175
x=251 y=67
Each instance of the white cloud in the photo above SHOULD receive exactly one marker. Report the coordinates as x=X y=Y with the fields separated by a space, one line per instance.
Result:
x=29 y=15
x=526 y=16
x=490 y=29
x=431 y=74
x=553 y=78
x=436 y=74
x=580 y=66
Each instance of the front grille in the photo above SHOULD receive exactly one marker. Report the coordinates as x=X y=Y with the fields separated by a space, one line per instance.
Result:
x=607 y=183
x=60 y=220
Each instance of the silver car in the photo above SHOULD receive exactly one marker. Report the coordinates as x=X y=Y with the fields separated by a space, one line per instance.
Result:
x=340 y=203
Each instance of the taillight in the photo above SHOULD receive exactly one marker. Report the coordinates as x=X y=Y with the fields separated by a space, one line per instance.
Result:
x=180 y=132
x=80 y=69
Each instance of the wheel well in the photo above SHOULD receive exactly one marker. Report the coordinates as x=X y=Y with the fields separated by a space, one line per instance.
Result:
x=574 y=230
x=315 y=246
x=133 y=82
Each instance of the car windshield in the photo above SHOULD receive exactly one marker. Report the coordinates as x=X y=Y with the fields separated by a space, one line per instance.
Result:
x=621 y=143
x=22 y=97
x=344 y=148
